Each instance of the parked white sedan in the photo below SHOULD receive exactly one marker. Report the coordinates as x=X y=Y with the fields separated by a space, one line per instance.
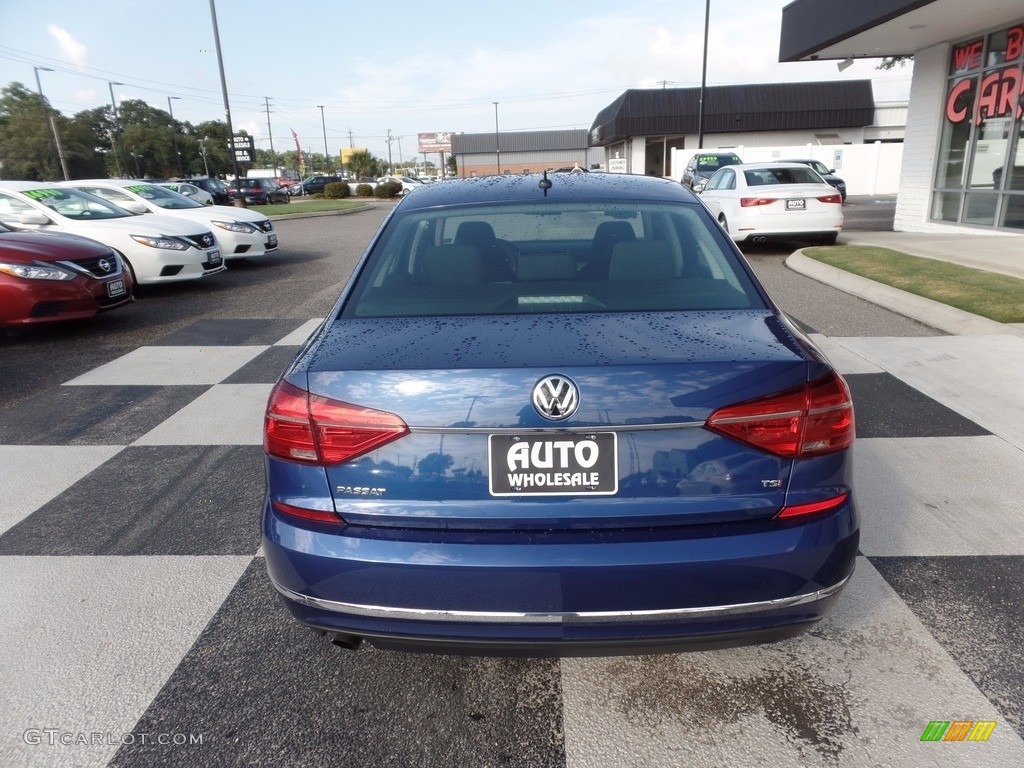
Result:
x=241 y=233
x=157 y=249
x=756 y=202
x=191 y=191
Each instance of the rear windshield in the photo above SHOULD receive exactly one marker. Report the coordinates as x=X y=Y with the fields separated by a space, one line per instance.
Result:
x=714 y=162
x=801 y=175
x=536 y=258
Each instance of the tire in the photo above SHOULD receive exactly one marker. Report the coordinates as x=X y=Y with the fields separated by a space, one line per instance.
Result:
x=724 y=222
x=829 y=239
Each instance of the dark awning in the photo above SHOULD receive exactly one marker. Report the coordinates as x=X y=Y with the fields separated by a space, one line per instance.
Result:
x=733 y=108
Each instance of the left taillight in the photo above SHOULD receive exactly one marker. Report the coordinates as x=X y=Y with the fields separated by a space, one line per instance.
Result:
x=313 y=429
x=811 y=420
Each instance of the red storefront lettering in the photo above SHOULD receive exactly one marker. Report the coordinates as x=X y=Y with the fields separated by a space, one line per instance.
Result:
x=999 y=95
x=958 y=102
x=967 y=56
x=1014 y=42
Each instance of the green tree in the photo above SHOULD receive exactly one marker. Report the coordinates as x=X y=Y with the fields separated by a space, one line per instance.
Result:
x=25 y=145
x=361 y=164
x=891 y=62
x=211 y=137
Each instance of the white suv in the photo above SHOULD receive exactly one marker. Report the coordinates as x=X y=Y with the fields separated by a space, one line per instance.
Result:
x=157 y=249
x=240 y=232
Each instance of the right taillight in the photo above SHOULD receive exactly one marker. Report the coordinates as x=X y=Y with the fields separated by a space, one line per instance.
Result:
x=314 y=429
x=811 y=420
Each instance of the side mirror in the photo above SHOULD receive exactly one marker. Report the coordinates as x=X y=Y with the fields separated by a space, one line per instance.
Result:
x=35 y=218
x=134 y=207
x=698 y=186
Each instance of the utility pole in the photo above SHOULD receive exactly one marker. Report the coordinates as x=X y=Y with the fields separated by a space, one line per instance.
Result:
x=323 y=125
x=391 y=166
x=115 y=129
x=54 y=141
x=174 y=134
x=270 y=134
x=240 y=202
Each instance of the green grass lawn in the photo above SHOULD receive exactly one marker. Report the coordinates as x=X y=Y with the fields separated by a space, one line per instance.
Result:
x=997 y=297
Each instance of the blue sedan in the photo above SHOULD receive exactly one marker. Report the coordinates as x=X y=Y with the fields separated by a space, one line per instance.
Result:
x=558 y=416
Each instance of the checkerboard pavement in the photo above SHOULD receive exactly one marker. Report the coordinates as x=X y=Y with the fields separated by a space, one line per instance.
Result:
x=138 y=628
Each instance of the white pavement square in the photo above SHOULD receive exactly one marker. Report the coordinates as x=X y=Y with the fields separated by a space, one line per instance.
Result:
x=857 y=690
x=939 y=496
x=89 y=641
x=226 y=414
x=980 y=377
x=31 y=475
x=300 y=334
x=168 y=366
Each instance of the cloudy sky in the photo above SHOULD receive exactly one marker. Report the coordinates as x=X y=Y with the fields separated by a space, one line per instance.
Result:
x=407 y=67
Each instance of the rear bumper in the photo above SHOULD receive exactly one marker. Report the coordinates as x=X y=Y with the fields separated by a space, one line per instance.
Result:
x=563 y=594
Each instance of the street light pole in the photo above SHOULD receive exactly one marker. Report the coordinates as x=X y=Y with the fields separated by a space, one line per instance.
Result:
x=116 y=128
x=54 y=141
x=497 y=139
x=327 y=155
x=174 y=133
x=703 y=78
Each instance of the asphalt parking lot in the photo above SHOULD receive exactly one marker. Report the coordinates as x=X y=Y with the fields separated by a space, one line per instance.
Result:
x=139 y=628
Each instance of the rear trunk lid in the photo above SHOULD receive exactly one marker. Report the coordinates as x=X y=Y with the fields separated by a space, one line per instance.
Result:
x=634 y=453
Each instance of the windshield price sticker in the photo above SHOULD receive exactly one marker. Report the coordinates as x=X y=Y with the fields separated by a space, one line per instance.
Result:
x=553 y=465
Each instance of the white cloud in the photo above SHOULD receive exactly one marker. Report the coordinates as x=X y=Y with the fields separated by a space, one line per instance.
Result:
x=71 y=49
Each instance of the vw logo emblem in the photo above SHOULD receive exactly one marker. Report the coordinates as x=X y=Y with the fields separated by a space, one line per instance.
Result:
x=105 y=265
x=555 y=397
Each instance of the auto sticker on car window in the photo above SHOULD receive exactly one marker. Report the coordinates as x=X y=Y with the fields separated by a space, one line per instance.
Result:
x=45 y=196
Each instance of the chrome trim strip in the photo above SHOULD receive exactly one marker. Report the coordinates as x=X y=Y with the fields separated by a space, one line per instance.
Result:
x=555 y=430
x=423 y=614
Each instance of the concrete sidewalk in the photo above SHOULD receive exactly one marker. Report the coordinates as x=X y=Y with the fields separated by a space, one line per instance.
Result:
x=996 y=253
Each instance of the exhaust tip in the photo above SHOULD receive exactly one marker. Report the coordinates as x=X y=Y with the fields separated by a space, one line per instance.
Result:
x=347 y=642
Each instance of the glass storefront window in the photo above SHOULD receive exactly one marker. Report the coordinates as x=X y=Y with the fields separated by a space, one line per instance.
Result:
x=979 y=171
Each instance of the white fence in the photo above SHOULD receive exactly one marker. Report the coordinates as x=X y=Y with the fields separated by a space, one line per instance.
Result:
x=867 y=169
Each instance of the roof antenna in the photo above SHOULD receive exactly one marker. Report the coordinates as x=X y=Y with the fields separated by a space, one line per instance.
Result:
x=545 y=183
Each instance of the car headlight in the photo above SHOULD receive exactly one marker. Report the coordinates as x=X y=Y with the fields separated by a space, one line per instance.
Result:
x=161 y=241
x=235 y=226
x=36 y=271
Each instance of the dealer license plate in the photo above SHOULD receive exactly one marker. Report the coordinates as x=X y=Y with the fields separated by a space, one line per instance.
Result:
x=214 y=259
x=272 y=241
x=796 y=205
x=553 y=464
x=115 y=288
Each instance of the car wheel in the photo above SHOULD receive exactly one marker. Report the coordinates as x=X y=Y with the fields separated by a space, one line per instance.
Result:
x=725 y=224
x=829 y=239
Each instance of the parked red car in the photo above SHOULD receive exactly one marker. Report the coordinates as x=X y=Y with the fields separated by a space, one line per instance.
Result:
x=50 y=277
